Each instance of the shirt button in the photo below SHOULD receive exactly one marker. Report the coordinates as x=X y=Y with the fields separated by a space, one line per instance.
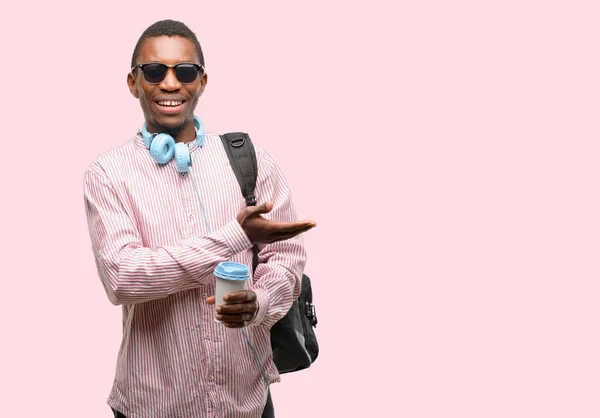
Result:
x=191 y=214
x=210 y=377
x=204 y=295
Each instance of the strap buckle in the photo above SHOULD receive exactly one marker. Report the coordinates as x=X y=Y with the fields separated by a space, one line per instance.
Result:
x=251 y=200
x=311 y=313
x=237 y=142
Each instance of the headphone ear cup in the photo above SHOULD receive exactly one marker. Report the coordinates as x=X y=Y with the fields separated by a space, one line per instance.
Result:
x=182 y=157
x=162 y=148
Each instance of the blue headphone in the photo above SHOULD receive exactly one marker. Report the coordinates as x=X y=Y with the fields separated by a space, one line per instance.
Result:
x=163 y=147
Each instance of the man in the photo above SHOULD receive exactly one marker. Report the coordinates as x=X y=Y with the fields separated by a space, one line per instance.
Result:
x=158 y=231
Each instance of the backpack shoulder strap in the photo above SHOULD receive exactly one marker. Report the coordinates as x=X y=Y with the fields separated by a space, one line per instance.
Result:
x=242 y=156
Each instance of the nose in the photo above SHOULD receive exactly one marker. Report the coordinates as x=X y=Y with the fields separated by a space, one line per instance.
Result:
x=170 y=82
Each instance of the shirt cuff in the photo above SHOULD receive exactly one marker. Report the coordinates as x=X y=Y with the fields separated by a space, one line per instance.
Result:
x=235 y=237
x=262 y=299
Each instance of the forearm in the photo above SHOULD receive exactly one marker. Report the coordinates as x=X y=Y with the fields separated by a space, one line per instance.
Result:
x=133 y=273
x=278 y=280
x=137 y=274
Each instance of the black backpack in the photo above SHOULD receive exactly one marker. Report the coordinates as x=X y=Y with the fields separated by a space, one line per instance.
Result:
x=293 y=338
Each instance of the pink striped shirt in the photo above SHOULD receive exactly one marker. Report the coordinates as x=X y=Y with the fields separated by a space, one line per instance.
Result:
x=155 y=257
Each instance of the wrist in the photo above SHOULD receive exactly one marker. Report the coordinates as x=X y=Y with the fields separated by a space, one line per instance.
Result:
x=262 y=301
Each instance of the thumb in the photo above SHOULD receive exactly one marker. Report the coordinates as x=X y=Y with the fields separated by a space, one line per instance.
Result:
x=263 y=208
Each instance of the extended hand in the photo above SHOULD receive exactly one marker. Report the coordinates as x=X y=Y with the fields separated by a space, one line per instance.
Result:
x=263 y=231
x=240 y=309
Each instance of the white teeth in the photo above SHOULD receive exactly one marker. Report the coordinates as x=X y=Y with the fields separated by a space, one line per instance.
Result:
x=170 y=103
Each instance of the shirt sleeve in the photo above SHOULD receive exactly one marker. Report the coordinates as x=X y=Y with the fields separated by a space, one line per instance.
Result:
x=132 y=273
x=277 y=279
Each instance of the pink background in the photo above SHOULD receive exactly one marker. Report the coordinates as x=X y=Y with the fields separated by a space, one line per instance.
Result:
x=447 y=150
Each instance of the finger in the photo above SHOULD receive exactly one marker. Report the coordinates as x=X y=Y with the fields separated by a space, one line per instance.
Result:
x=243 y=296
x=234 y=324
x=294 y=226
x=237 y=308
x=235 y=318
x=312 y=224
x=281 y=227
x=211 y=300
x=301 y=230
x=287 y=235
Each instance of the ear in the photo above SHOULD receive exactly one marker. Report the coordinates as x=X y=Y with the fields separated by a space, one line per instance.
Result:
x=131 y=82
x=203 y=81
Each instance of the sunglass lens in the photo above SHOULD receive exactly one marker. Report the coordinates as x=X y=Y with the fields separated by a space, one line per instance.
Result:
x=186 y=73
x=154 y=73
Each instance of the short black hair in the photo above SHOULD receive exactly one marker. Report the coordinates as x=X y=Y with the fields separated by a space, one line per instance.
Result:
x=167 y=28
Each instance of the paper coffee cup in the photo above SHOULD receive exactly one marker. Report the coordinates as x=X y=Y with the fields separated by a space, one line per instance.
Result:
x=230 y=277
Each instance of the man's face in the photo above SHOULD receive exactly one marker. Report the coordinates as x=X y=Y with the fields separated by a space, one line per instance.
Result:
x=168 y=50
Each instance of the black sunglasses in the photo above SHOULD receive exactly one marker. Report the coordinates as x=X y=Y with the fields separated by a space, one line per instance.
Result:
x=155 y=72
